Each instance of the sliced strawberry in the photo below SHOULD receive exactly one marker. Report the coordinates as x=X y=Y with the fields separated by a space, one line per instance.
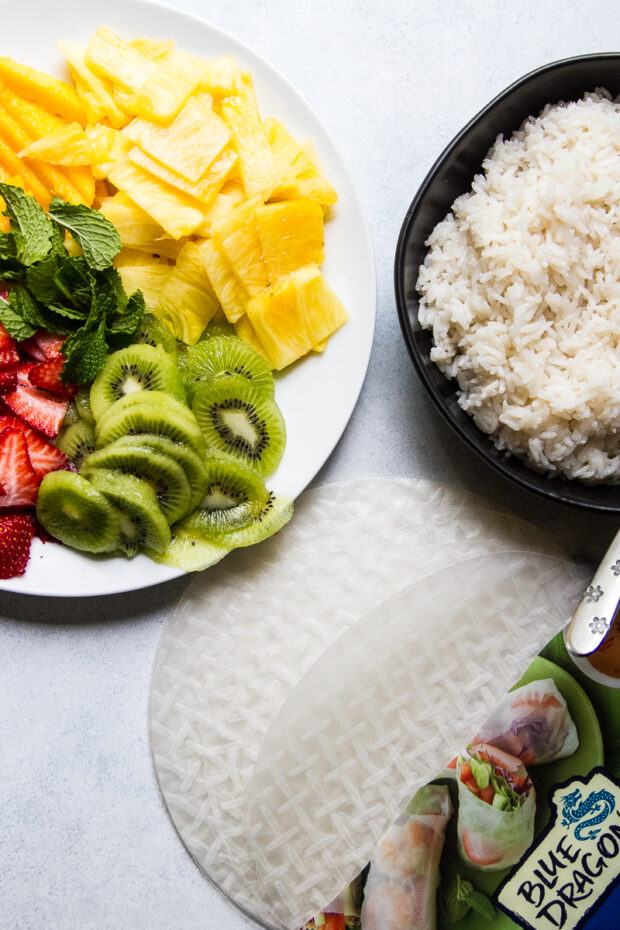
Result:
x=5 y=339
x=44 y=457
x=40 y=410
x=8 y=380
x=43 y=345
x=47 y=376
x=9 y=356
x=17 y=478
x=16 y=532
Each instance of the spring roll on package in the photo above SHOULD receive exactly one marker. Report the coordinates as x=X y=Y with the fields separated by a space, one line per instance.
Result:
x=371 y=721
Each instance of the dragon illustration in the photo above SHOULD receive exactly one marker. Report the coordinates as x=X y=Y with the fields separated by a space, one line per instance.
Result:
x=574 y=809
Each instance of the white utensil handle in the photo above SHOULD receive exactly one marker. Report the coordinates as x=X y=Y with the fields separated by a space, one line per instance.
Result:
x=593 y=618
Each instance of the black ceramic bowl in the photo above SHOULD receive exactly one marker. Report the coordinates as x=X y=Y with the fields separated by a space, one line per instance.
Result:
x=452 y=175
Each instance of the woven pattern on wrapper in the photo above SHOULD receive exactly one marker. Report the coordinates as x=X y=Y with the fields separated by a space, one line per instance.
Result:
x=248 y=630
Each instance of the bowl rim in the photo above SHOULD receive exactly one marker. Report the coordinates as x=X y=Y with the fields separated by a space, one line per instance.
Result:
x=554 y=492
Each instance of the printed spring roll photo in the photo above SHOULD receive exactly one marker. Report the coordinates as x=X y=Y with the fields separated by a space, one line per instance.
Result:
x=404 y=870
x=497 y=805
x=532 y=723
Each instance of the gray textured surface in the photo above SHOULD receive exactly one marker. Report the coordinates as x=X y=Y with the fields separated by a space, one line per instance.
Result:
x=85 y=842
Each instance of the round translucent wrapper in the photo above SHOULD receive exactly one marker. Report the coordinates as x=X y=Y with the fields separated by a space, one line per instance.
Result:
x=306 y=687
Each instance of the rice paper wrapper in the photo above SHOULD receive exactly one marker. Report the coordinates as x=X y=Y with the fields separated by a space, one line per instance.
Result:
x=229 y=677
x=403 y=876
x=532 y=723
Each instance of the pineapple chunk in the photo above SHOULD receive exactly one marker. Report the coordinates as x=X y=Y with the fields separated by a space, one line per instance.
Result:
x=204 y=190
x=153 y=49
x=109 y=147
x=190 y=144
x=221 y=207
x=301 y=175
x=246 y=331
x=66 y=146
x=221 y=76
x=127 y=257
x=137 y=229
x=149 y=278
x=224 y=282
x=296 y=315
x=238 y=241
x=168 y=88
x=187 y=301
x=111 y=57
x=176 y=212
x=291 y=235
x=260 y=172
x=49 y=92
x=92 y=90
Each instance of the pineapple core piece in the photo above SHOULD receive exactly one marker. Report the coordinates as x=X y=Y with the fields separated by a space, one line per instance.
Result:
x=291 y=235
x=187 y=301
x=296 y=315
x=172 y=82
x=112 y=58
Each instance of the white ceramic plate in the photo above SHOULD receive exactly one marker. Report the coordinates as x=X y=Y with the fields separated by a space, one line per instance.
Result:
x=317 y=395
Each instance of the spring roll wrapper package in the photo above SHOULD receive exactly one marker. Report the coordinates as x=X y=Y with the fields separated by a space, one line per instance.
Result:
x=307 y=687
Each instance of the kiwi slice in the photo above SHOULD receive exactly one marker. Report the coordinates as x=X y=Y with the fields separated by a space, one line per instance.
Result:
x=150 y=412
x=71 y=416
x=155 y=333
x=237 y=419
x=141 y=521
x=189 y=552
x=77 y=442
x=166 y=476
x=223 y=356
x=133 y=369
x=270 y=517
x=232 y=497
x=82 y=405
x=191 y=463
x=74 y=512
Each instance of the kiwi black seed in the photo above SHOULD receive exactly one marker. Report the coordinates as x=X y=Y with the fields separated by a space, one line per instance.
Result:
x=223 y=356
x=163 y=473
x=150 y=412
x=155 y=333
x=233 y=496
x=238 y=420
x=142 y=523
x=77 y=442
x=74 y=512
x=133 y=369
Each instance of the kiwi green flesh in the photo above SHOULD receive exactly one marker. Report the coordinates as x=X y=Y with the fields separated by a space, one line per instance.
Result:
x=273 y=515
x=164 y=474
x=191 y=463
x=189 y=552
x=141 y=521
x=232 y=497
x=82 y=405
x=150 y=412
x=71 y=416
x=77 y=442
x=223 y=356
x=74 y=512
x=239 y=421
x=155 y=333
x=132 y=369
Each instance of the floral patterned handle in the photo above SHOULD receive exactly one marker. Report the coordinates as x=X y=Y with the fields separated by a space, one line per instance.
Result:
x=593 y=618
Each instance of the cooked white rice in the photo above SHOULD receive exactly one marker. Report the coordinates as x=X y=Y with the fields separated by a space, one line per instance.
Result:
x=521 y=288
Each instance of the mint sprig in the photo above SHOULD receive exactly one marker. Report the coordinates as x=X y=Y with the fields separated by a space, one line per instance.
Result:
x=460 y=897
x=81 y=297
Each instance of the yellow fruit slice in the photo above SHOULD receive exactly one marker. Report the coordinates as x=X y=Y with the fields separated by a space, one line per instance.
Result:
x=190 y=144
x=13 y=165
x=238 y=241
x=187 y=301
x=49 y=92
x=95 y=93
x=221 y=76
x=226 y=287
x=246 y=331
x=137 y=229
x=68 y=145
x=153 y=49
x=167 y=89
x=148 y=278
x=290 y=235
x=204 y=190
x=301 y=175
x=260 y=172
x=112 y=58
x=296 y=315
x=174 y=211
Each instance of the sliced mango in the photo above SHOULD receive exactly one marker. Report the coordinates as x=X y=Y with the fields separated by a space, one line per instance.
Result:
x=68 y=145
x=174 y=211
x=112 y=58
x=190 y=144
x=49 y=92
x=290 y=235
x=296 y=315
x=188 y=301
x=13 y=165
x=225 y=284
x=168 y=88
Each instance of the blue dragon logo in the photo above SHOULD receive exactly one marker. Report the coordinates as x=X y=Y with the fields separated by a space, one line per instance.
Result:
x=598 y=803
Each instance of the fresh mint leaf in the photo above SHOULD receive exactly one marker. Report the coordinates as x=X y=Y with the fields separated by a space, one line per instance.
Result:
x=31 y=220
x=98 y=238
x=11 y=269
x=8 y=245
x=14 y=324
x=476 y=900
x=104 y=296
x=40 y=280
x=69 y=313
x=129 y=321
x=86 y=352
x=24 y=305
x=58 y=240
x=75 y=281
x=455 y=907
